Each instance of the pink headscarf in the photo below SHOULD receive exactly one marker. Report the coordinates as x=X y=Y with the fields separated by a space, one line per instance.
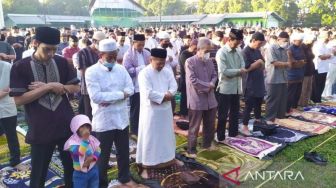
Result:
x=76 y=123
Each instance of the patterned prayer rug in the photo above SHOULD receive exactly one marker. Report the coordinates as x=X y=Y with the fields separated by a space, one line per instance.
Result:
x=309 y=127
x=225 y=160
x=19 y=178
x=252 y=146
x=171 y=177
x=316 y=117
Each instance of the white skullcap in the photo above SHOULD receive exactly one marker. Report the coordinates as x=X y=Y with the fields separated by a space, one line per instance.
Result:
x=309 y=37
x=163 y=35
x=297 y=36
x=107 y=45
x=98 y=35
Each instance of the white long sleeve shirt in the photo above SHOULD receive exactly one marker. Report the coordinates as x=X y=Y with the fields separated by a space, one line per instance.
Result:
x=108 y=87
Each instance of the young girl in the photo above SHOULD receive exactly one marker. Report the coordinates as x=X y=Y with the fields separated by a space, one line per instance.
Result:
x=84 y=149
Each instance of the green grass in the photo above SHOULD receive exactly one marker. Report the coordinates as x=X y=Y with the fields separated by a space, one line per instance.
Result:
x=314 y=175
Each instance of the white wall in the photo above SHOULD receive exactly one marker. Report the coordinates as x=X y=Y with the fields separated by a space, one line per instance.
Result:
x=116 y=4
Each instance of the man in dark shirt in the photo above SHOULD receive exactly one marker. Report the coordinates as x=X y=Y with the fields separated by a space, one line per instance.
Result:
x=182 y=81
x=40 y=83
x=255 y=84
x=295 y=72
x=87 y=57
x=17 y=42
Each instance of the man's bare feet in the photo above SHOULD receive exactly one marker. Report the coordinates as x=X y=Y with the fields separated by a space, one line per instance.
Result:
x=144 y=174
x=179 y=163
x=211 y=148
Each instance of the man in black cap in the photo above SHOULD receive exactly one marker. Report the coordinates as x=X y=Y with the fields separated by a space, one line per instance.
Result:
x=254 y=89
x=231 y=66
x=156 y=140
x=136 y=59
x=41 y=83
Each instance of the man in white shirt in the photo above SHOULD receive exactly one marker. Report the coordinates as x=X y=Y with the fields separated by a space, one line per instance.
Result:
x=150 y=41
x=171 y=59
x=8 y=114
x=122 y=47
x=136 y=59
x=156 y=138
x=109 y=85
x=322 y=55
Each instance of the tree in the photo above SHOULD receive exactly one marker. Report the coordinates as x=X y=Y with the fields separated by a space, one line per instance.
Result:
x=327 y=10
x=168 y=7
x=259 y=5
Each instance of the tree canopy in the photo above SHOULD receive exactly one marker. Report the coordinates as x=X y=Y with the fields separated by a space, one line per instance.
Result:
x=308 y=12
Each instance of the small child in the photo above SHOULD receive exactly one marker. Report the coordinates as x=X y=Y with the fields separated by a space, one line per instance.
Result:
x=85 y=150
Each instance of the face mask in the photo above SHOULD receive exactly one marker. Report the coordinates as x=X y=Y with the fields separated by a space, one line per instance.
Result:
x=108 y=65
x=206 y=56
x=284 y=45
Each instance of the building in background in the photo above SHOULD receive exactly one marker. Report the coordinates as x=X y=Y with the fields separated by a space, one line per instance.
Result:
x=244 y=19
x=109 y=13
x=35 y=20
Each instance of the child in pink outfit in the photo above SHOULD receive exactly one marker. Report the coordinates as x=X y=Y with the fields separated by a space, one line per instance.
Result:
x=84 y=149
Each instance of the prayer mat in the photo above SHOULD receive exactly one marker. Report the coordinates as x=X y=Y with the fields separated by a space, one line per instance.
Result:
x=285 y=135
x=323 y=109
x=316 y=117
x=170 y=177
x=252 y=146
x=225 y=160
x=15 y=178
x=309 y=127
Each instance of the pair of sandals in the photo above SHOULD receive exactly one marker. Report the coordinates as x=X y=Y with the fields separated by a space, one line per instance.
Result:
x=315 y=158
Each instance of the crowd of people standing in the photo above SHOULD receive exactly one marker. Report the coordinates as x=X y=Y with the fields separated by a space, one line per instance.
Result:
x=126 y=81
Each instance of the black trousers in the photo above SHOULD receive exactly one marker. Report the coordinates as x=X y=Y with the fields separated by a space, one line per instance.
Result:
x=87 y=106
x=318 y=86
x=8 y=126
x=252 y=103
x=227 y=104
x=134 y=113
x=294 y=93
x=183 y=102
x=40 y=158
x=121 y=142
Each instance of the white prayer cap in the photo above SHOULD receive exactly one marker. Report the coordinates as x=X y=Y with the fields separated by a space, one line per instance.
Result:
x=297 y=36
x=98 y=35
x=309 y=38
x=107 y=45
x=163 y=35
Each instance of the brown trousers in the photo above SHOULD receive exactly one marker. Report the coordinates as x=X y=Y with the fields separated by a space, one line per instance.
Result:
x=307 y=86
x=195 y=118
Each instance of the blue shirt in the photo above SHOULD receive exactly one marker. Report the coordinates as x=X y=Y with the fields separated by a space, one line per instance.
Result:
x=296 y=73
